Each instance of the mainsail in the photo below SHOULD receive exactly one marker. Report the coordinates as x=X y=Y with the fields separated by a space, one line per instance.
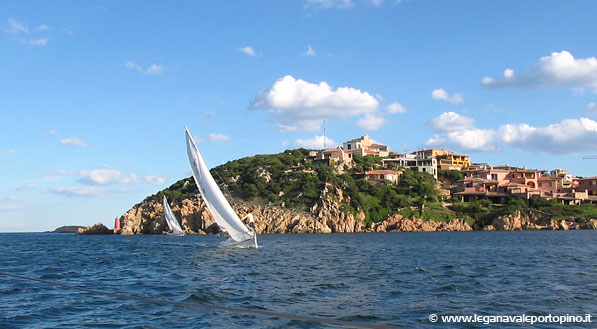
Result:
x=171 y=219
x=217 y=204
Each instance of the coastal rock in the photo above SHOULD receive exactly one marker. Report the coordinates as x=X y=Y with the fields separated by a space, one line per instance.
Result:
x=68 y=229
x=327 y=215
x=398 y=223
x=98 y=228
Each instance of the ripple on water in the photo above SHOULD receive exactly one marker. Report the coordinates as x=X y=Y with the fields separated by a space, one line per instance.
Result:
x=390 y=279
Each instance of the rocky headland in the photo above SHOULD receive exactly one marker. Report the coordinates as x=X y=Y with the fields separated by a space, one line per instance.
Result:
x=326 y=216
x=287 y=193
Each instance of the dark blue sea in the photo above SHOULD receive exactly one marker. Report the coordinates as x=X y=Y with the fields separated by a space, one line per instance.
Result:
x=389 y=279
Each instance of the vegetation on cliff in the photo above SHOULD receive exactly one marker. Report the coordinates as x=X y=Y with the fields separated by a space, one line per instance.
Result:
x=290 y=180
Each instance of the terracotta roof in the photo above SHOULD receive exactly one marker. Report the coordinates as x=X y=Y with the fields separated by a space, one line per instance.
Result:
x=588 y=178
x=383 y=171
x=548 y=178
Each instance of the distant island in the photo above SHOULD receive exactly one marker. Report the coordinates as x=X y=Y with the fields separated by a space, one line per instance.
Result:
x=368 y=189
x=68 y=229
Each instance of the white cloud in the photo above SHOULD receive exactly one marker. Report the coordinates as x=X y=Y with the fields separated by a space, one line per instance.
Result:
x=371 y=122
x=456 y=131
x=316 y=142
x=443 y=95
x=38 y=42
x=9 y=152
x=8 y=203
x=295 y=104
x=15 y=27
x=451 y=121
x=248 y=50
x=468 y=140
x=75 y=141
x=327 y=4
x=42 y=28
x=559 y=70
x=568 y=136
x=591 y=108
x=152 y=69
x=91 y=192
x=216 y=138
x=155 y=179
x=105 y=176
x=395 y=108
x=51 y=132
x=376 y=3
x=26 y=186
x=309 y=52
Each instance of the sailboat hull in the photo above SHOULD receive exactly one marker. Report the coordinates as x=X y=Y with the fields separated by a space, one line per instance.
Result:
x=250 y=243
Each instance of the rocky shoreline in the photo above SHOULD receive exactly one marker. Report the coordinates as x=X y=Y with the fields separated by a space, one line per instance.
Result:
x=323 y=217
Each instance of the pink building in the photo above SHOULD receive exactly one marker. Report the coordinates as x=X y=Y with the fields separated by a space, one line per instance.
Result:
x=549 y=186
x=588 y=184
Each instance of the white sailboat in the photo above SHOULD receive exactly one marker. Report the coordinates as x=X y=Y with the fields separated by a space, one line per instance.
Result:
x=228 y=221
x=171 y=220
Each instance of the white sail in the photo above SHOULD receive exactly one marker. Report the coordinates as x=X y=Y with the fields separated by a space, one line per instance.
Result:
x=171 y=219
x=217 y=204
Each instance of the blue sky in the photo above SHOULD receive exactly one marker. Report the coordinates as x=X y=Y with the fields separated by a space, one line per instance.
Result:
x=94 y=94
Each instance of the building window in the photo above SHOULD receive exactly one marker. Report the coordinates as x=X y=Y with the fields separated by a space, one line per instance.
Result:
x=349 y=146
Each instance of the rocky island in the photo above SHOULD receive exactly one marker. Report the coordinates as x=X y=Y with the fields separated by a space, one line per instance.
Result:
x=290 y=193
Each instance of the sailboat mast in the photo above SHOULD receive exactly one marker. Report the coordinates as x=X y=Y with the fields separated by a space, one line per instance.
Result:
x=324 y=137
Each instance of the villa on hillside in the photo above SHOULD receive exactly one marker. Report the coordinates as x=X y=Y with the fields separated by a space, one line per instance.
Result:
x=588 y=184
x=335 y=157
x=414 y=162
x=366 y=146
x=381 y=176
x=497 y=183
x=447 y=160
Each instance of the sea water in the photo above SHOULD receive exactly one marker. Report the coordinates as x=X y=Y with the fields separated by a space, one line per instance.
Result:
x=390 y=279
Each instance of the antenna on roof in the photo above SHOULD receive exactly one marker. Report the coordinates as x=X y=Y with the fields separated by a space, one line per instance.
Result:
x=324 y=138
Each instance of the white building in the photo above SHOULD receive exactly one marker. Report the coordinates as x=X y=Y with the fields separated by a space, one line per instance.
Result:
x=414 y=162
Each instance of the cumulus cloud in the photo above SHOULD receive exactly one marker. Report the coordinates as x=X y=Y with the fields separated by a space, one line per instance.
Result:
x=316 y=142
x=152 y=69
x=441 y=94
x=395 y=108
x=249 y=51
x=217 y=138
x=455 y=131
x=371 y=122
x=155 y=179
x=309 y=52
x=89 y=192
x=295 y=104
x=567 y=136
x=106 y=176
x=468 y=140
x=75 y=141
x=15 y=27
x=451 y=121
x=559 y=70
